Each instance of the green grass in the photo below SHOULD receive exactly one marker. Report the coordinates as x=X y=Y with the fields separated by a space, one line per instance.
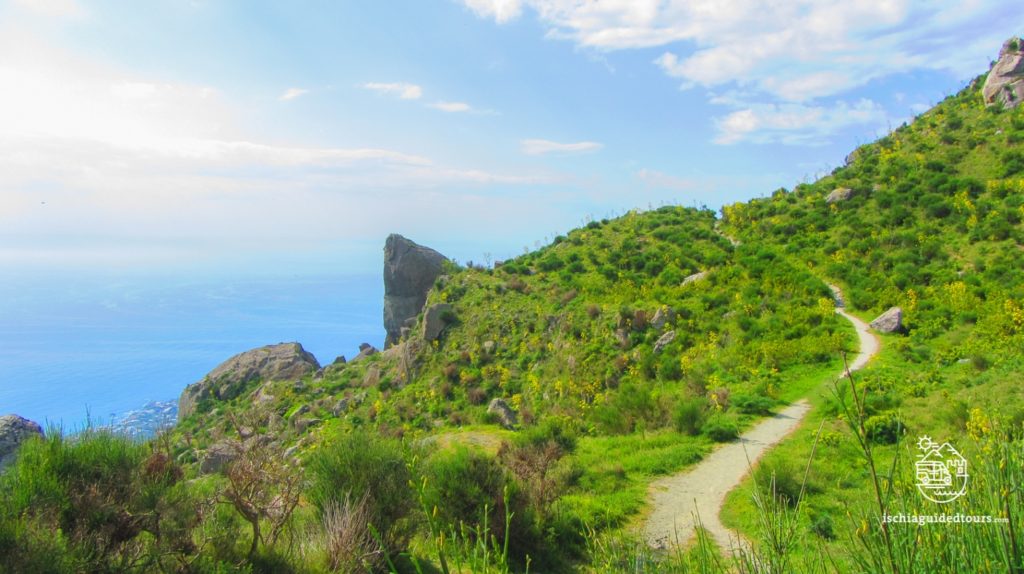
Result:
x=615 y=471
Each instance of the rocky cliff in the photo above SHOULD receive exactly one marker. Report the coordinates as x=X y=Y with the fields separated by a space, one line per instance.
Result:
x=409 y=272
x=1005 y=82
x=270 y=363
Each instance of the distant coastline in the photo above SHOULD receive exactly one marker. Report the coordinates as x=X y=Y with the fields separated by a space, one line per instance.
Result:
x=116 y=353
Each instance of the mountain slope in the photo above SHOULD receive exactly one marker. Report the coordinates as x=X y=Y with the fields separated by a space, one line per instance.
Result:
x=522 y=418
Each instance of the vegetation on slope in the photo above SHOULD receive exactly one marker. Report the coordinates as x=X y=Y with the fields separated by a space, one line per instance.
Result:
x=567 y=336
x=626 y=349
x=934 y=226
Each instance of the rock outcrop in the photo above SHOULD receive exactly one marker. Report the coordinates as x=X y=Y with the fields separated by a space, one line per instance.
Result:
x=889 y=322
x=15 y=430
x=280 y=362
x=1005 y=82
x=409 y=272
x=839 y=194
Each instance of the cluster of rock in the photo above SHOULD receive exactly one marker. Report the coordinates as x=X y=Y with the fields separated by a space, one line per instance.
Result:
x=272 y=371
x=15 y=430
x=1005 y=83
x=284 y=361
x=663 y=318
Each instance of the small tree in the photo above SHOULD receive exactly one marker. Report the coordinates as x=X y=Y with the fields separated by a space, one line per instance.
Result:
x=263 y=485
x=533 y=464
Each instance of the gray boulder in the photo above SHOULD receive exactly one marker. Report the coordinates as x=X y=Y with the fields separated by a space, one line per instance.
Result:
x=663 y=341
x=435 y=320
x=889 y=322
x=15 y=430
x=839 y=194
x=695 y=277
x=409 y=272
x=1005 y=82
x=219 y=455
x=662 y=317
x=284 y=361
x=506 y=415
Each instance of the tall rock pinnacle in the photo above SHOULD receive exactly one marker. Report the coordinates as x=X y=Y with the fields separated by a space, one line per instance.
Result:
x=409 y=272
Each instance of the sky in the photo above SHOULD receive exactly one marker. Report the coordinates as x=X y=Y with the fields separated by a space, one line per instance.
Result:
x=292 y=137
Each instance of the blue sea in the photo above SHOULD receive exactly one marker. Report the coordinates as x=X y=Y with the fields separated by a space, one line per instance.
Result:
x=103 y=348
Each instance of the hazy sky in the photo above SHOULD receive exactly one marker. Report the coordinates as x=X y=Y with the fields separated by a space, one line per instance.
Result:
x=296 y=135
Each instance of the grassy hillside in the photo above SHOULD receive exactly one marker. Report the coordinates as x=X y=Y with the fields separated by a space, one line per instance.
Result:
x=626 y=349
x=934 y=226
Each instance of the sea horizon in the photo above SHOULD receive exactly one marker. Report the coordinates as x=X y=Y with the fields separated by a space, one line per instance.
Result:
x=101 y=347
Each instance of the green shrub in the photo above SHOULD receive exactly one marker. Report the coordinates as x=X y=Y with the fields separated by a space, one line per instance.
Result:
x=689 y=415
x=465 y=486
x=631 y=404
x=754 y=404
x=885 y=428
x=721 y=428
x=821 y=525
x=560 y=430
x=358 y=464
x=783 y=480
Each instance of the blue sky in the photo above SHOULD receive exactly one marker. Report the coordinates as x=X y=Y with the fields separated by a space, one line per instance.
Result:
x=294 y=136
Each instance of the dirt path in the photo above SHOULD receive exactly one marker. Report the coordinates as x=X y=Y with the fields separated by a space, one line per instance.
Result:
x=701 y=490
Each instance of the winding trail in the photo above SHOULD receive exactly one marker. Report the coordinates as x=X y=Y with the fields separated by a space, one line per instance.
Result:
x=701 y=490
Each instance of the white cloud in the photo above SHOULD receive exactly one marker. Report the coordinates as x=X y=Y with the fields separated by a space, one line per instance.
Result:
x=792 y=123
x=778 y=53
x=500 y=10
x=451 y=107
x=292 y=93
x=402 y=90
x=541 y=147
x=659 y=180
